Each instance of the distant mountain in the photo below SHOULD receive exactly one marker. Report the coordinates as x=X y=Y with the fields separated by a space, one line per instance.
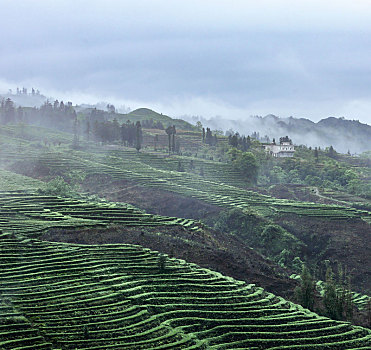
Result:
x=340 y=133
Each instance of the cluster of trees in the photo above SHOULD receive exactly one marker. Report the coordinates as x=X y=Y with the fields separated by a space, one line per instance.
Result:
x=336 y=299
x=240 y=142
x=8 y=112
x=171 y=131
x=150 y=124
x=58 y=115
x=129 y=133
x=246 y=163
x=303 y=170
x=284 y=139
x=58 y=111
x=208 y=137
x=23 y=91
x=256 y=136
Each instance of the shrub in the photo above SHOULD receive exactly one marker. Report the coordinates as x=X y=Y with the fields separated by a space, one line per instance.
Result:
x=57 y=187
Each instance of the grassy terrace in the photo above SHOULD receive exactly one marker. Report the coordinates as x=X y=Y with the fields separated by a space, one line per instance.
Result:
x=22 y=210
x=153 y=170
x=66 y=296
x=220 y=185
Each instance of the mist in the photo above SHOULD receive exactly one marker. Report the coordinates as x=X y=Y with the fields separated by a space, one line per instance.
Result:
x=215 y=58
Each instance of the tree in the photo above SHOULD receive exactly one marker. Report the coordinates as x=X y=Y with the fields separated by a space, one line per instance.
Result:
x=111 y=108
x=88 y=130
x=177 y=147
x=8 y=111
x=138 y=138
x=331 y=152
x=233 y=140
x=208 y=136
x=333 y=306
x=173 y=136
x=75 y=134
x=115 y=126
x=316 y=154
x=169 y=131
x=246 y=163
x=285 y=139
x=305 y=292
x=215 y=140
x=348 y=303
x=162 y=262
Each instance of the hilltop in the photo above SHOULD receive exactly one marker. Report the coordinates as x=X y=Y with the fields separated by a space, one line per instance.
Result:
x=147 y=114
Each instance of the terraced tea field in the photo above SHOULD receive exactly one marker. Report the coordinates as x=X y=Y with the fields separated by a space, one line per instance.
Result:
x=220 y=185
x=65 y=296
x=27 y=212
x=151 y=170
x=210 y=189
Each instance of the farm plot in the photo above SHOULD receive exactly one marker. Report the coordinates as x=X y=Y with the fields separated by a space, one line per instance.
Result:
x=193 y=185
x=30 y=213
x=219 y=186
x=67 y=296
x=145 y=169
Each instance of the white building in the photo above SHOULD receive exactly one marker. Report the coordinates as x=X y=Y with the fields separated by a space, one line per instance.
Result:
x=284 y=149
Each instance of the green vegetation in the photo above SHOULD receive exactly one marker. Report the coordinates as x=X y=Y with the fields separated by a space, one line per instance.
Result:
x=30 y=213
x=327 y=170
x=305 y=292
x=69 y=296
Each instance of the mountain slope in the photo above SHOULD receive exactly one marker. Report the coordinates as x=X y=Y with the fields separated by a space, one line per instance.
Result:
x=57 y=295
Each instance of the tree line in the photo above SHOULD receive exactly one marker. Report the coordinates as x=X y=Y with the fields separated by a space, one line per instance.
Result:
x=129 y=133
x=240 y=142
x=208 y=137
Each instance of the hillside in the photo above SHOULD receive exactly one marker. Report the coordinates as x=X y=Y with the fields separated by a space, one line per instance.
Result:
x=147 y=114
x=123 y=296
x=305 y=230
x=344 y=135
x=66 y=193
x=122 y=174
x=63 y=295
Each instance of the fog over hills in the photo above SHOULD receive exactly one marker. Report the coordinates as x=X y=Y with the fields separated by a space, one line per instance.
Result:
x=344 y=135
x=26 y=99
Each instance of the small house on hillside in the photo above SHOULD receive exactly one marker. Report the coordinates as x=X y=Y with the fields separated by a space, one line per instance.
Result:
x=283 y=150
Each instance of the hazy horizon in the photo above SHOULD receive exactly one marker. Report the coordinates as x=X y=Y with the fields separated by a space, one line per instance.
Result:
x=212 y=58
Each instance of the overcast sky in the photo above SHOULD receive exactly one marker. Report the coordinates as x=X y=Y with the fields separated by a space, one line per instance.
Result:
x=229 y=58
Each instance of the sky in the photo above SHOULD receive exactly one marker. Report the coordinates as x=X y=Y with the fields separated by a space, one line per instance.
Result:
x=225 y=58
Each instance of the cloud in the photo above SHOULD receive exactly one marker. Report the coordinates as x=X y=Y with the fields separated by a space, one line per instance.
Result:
x=220 y=57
